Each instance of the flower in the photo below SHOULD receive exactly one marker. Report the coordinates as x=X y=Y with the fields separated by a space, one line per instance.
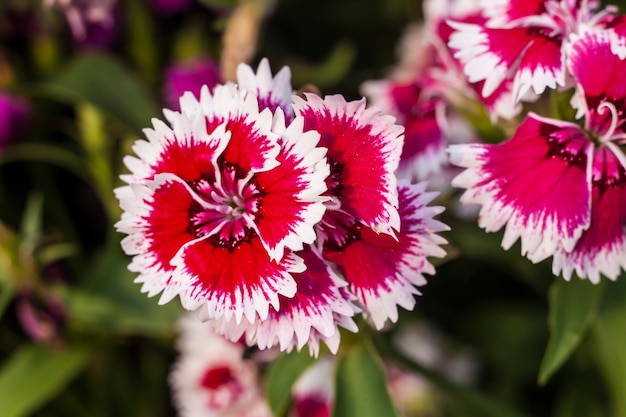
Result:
x=264 y=210
x=313 y=392
x=14 y=113
x=426 y=89
x=557 y=186
x=210 y=376
x=525 y=41
x=383 y=270
x=189 y=76
x=85 y=17
x=217 y=203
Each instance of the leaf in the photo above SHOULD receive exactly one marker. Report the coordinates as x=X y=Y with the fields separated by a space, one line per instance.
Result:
x=610 y=342
x=34 y=375
x=40 y=152
x=109 y=301
x=361 y=389
x=281 y=376
x=105 y=83
x=573 y=306
x=474 y=402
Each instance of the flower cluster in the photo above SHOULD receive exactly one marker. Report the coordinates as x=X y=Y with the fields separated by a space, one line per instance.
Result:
x=558 y=184
x=277 y=216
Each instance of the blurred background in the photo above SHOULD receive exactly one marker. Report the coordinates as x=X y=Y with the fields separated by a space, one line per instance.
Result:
x=77 y=338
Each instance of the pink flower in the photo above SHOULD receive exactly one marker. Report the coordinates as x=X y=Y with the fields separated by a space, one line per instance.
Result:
x=189 y=76
x=313 y=392
x=210 y=377
x=525 y=41
x=84 y=15
x=556 y=186
x=427 y=86
x=244 y=205
x=14 y=114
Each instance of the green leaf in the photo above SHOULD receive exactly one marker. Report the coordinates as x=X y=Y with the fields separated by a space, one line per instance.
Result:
x=40 y=152
x=105 y=83
x=474 y=402
x=361 y=389
x=281 y=376
x=109 y=301
x=573 y=306
x=610 y=341
x=6 y=296
x=34 y=375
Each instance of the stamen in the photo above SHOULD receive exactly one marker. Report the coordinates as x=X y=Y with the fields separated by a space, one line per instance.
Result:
x=614 y=119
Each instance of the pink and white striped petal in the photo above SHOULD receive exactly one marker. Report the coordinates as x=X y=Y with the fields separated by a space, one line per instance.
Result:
x=232 y=280
x=537 y=184
x=600 y=84
x=505 y=12
x=156 y=222
x=313 y=314
x=292 y=203
x=382 y=271
x=602 y=248
x=364 y=149
x=185 y=149
x=493 y=54
x=272 y=92
x=253 y=145
x=423 y=152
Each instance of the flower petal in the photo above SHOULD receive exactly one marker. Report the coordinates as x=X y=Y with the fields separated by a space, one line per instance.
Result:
x=381 y=270
x=233 y=281
x=156 y=221
x=492 y=54
x=364 y=149
x=272 y=92
x=537 y=183
x=602 y=248
x=311 y=315
x=292 y=203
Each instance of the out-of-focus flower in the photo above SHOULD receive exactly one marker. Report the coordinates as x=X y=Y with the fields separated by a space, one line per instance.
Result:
x=275 y=217
x=557 y=186
x=312 y=393
x=14 y=112
x=210 y=377
x=189 y=76
x=167 y=7
x=42 y=316
x=427 y=86
x=523 y=41
x=85 y=16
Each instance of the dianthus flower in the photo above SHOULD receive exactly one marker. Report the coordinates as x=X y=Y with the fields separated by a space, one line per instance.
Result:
x=427 y=87
x=525 y=41
x=244 y=205
x=210 y=377
x=557 y=186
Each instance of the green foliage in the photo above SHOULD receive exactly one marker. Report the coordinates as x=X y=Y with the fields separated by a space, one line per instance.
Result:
x=33 y=375
x=361 y=390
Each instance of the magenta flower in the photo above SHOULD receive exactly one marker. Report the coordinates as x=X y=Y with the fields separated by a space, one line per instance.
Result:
x=217 y=203
x=189 y=76
x=383 y=270
x=242 y=206
x=14 y=114
x=525 y=41
x=87 y=17
x=556 y=186
x=210 y=376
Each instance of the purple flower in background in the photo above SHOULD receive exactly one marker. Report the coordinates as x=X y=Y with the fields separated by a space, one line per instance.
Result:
x=13 y=116
x=189 y=76
x=82 y=14
x=167 y=7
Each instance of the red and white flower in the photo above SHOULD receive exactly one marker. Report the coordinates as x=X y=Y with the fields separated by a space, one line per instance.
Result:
x=557 y=186
x=210 y=378
x=525 y=41
x=227 y=207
